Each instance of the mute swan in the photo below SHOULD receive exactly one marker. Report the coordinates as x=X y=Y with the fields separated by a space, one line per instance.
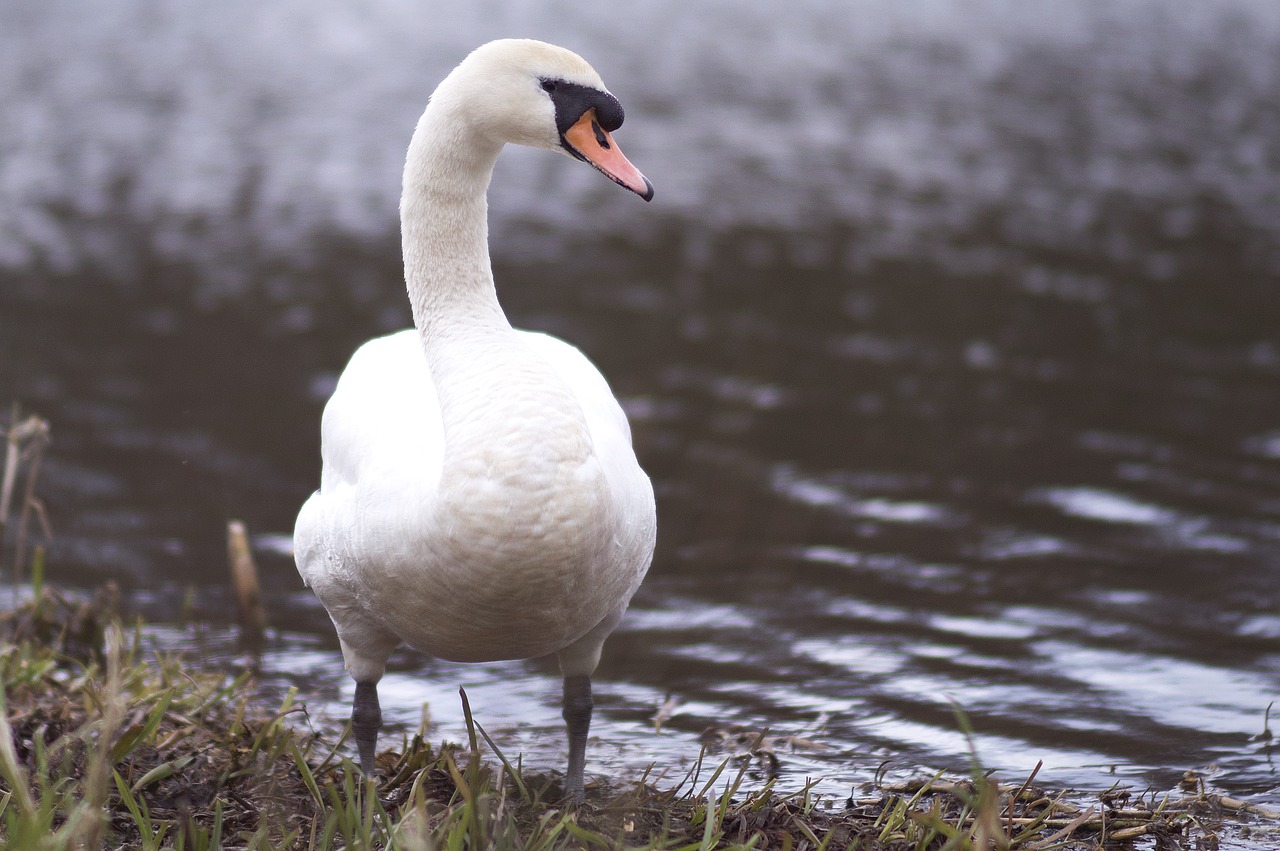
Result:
x=479 y=497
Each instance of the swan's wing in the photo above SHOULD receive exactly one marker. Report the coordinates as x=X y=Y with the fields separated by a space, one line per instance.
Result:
x=636 y=519
x=608 y=424
x=384 y=416
x=382 y=445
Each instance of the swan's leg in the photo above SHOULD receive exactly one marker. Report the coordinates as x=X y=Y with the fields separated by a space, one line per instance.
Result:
x=577 y=662
x=366 y=662
x=366 y=720
x=577 y=720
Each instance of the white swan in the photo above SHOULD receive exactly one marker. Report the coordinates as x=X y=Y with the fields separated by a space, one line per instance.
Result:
x=479 y=498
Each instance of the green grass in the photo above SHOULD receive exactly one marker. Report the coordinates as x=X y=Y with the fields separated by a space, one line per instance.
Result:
x=105 y=744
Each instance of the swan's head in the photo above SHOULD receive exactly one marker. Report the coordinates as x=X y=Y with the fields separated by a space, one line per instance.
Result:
x=532 y=93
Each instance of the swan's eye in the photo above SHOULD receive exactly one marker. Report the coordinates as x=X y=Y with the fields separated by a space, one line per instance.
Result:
x=548 y=85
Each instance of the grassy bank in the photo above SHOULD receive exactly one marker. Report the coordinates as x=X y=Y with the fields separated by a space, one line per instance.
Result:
x=104 y=744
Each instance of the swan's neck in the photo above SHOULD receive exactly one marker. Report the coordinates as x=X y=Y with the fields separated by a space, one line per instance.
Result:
x=484 y=378
x=445 y=235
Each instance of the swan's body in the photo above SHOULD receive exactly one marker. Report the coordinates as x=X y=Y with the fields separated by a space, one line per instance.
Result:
x=479 y=498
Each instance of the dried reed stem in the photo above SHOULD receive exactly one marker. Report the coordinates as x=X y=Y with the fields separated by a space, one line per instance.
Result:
x=24 y=439
x=244 y=577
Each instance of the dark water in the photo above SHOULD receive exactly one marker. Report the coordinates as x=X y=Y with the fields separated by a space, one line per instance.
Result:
x=950 y=342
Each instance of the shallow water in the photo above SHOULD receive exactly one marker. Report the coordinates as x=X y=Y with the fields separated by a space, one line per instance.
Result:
x=950 y=343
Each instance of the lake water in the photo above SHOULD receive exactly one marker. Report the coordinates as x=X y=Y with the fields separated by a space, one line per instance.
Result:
x=951 y=342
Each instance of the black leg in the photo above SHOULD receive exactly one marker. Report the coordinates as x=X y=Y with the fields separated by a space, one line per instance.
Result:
x=577 y=719
x=366 y=720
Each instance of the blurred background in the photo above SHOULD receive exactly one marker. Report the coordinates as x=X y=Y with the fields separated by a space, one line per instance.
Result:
x=951 y=343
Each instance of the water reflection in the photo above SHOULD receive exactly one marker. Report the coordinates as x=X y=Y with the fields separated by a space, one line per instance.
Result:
x=949 y=344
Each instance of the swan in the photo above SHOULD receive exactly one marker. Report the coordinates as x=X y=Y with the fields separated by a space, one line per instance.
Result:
x=479 y=496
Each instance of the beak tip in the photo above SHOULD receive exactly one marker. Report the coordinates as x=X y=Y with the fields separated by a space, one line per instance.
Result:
x=647 y=195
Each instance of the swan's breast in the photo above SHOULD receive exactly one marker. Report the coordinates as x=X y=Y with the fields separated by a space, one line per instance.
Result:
x=514 y=557
x=519 y=523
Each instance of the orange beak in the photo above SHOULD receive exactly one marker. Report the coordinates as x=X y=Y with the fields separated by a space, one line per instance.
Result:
x=593 y=143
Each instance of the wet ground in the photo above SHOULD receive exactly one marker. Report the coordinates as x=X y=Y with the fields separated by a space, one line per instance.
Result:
x=949 y=341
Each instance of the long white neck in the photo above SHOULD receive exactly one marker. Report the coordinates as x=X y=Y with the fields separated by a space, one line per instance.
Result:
x=445 y=234
x=484 y=378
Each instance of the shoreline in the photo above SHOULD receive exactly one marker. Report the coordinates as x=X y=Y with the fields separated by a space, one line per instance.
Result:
x=106 y=743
